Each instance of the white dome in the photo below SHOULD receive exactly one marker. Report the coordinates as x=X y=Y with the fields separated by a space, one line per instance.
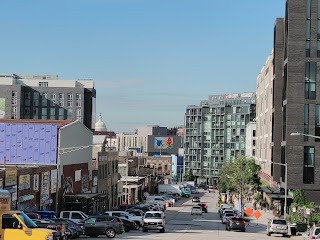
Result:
x=100 y=126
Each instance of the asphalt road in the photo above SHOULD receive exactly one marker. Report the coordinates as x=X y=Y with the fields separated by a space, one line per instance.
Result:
x=181 y=225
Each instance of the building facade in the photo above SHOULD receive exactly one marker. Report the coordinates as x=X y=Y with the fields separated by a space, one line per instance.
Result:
x=251 y=140
x=264 y=117
x=215 y=133
x=47 y=97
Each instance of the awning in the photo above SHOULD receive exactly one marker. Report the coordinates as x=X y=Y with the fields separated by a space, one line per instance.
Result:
x=279 y=196
x=271 y=190
x=83 y=195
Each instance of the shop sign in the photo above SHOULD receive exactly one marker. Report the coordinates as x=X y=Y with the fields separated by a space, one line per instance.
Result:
x=24 y=182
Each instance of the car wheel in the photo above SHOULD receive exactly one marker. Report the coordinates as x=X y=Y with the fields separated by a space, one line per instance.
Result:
x=191 y=213
x=269 y=233
x=144 y=230
x=137 y=226
x=110 y=233
x=126 y=229
x=162 y=230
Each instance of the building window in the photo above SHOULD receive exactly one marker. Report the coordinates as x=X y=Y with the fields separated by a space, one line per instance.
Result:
x=43 y=84
x=61 y=99
x=35 y=99
x=306 y=121
x=308 y=48
x=69 y=113
x=78 y=114
x=253 y=133
x=285 y=79
x=318 y=48
x=308 y=168
x=35 y=114
x=61 y=113
x=26 y=113
x=253 y=152
x=52 y=113
x=70 y=100
x=44 y=113
x=284 y=123
x=308 y=9
x=14 y=98
x=53 y=99
x=27 y=98
x=78 y=100
x=14 y=112
x=44 y=99
x=253 y=142
x=310 y=80
x=317 y=123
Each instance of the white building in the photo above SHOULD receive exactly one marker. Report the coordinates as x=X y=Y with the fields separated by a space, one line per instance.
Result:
x=251 y=140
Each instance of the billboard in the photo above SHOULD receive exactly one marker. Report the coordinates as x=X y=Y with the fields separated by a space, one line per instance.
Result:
x=163 y=142
x=24 y=182
x=11 y=177
x=2 y=107
x=28 y=144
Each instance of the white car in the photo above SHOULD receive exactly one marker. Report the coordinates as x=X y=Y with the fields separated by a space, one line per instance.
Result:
x=154 y=220
x=196 y=210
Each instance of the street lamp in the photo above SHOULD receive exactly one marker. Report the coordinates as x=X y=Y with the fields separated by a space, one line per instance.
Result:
x=62 y=151
x=286 y=182
x=303 y=134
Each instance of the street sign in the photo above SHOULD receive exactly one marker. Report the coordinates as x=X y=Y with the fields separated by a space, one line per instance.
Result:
x=257 y=214
x=248 y=212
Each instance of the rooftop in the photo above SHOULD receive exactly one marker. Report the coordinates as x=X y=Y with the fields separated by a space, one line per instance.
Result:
x=59 y=123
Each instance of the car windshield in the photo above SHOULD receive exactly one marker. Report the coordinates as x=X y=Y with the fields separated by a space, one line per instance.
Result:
x=153 y=215
x=317 y=231
x=27 y=221
x=279 y=221
x=196 y=207
x=229 y=215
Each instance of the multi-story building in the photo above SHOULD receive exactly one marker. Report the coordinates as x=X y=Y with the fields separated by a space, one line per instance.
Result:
x=264 y=117
x=46 y=97
x=215 y=133
x=251 y=140
x=296 y=101
x=149 y=140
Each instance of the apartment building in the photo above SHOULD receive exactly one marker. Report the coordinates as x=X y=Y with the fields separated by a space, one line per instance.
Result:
x=215 y=132
x=24 y=96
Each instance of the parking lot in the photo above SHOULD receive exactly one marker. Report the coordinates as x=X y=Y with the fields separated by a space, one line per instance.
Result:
x=181 y=225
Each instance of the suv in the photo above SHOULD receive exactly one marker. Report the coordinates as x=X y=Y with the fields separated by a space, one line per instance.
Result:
x=313 y=233
x=154 y=220
x=277 y=225
x=236 y=223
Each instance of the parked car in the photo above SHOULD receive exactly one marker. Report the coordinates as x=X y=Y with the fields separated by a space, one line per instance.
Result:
x=196 y=210
x=196 y=199
x=128 y=225
x=154 y=220
x=278 y=226
x=94 y=228
x=226 y=217
x=236 y=223
x=45 y=214
x=76 y=216
x=71 y=224
x=211 y=189
x=227 y=210
x=33 y=216
x=314 y=233
x=204 y=207
x=136 y=219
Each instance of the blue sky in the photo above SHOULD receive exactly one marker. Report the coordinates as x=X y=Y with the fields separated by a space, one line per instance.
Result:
x=149 y=58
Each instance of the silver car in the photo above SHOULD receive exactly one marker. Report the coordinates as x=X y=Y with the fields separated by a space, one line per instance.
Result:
x=226 y=216
x=278 y=226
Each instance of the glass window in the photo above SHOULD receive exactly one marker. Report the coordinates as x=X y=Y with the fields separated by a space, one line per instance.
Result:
x=308 y=48
x=69 y=113
x=44 y=113
x=318 y=48
x=308 y=9
x=44 y=98
x=310 y=80
x=91 y=220
x=61 y=113
x=306 y=121
x=61 y=99
x=70 y=100
x=43 y=84
x=78 y=100
x=317 y=123
x=78 y=114
x=308 y=170
x=14 y=98
x=53 y=98
x=27 y=98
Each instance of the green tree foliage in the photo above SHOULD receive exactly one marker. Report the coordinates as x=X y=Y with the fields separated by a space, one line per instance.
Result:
x=298 y=198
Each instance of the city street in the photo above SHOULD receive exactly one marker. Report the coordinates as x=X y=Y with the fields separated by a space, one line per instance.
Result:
x=182 y=225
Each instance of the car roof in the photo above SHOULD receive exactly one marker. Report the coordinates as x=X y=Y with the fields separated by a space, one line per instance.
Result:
x=154 y=212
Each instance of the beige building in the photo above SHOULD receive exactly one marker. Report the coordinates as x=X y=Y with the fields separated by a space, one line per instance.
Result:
x=264 y=118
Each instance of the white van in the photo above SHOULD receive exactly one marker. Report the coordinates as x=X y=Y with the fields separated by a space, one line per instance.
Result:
x=76 y=216
x=158 y=199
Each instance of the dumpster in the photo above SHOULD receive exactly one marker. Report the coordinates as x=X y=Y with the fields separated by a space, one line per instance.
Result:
x=293 y=229
x=301 y=227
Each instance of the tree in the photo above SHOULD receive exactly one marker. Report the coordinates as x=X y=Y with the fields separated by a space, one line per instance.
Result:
x=240 y=177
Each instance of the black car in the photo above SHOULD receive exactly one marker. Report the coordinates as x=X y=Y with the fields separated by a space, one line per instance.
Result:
x=70 y=224
x=236 y=223
x=204 y=207
x=136 y=212
x=128 y=225
x=195 y=199
x=99 y=225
